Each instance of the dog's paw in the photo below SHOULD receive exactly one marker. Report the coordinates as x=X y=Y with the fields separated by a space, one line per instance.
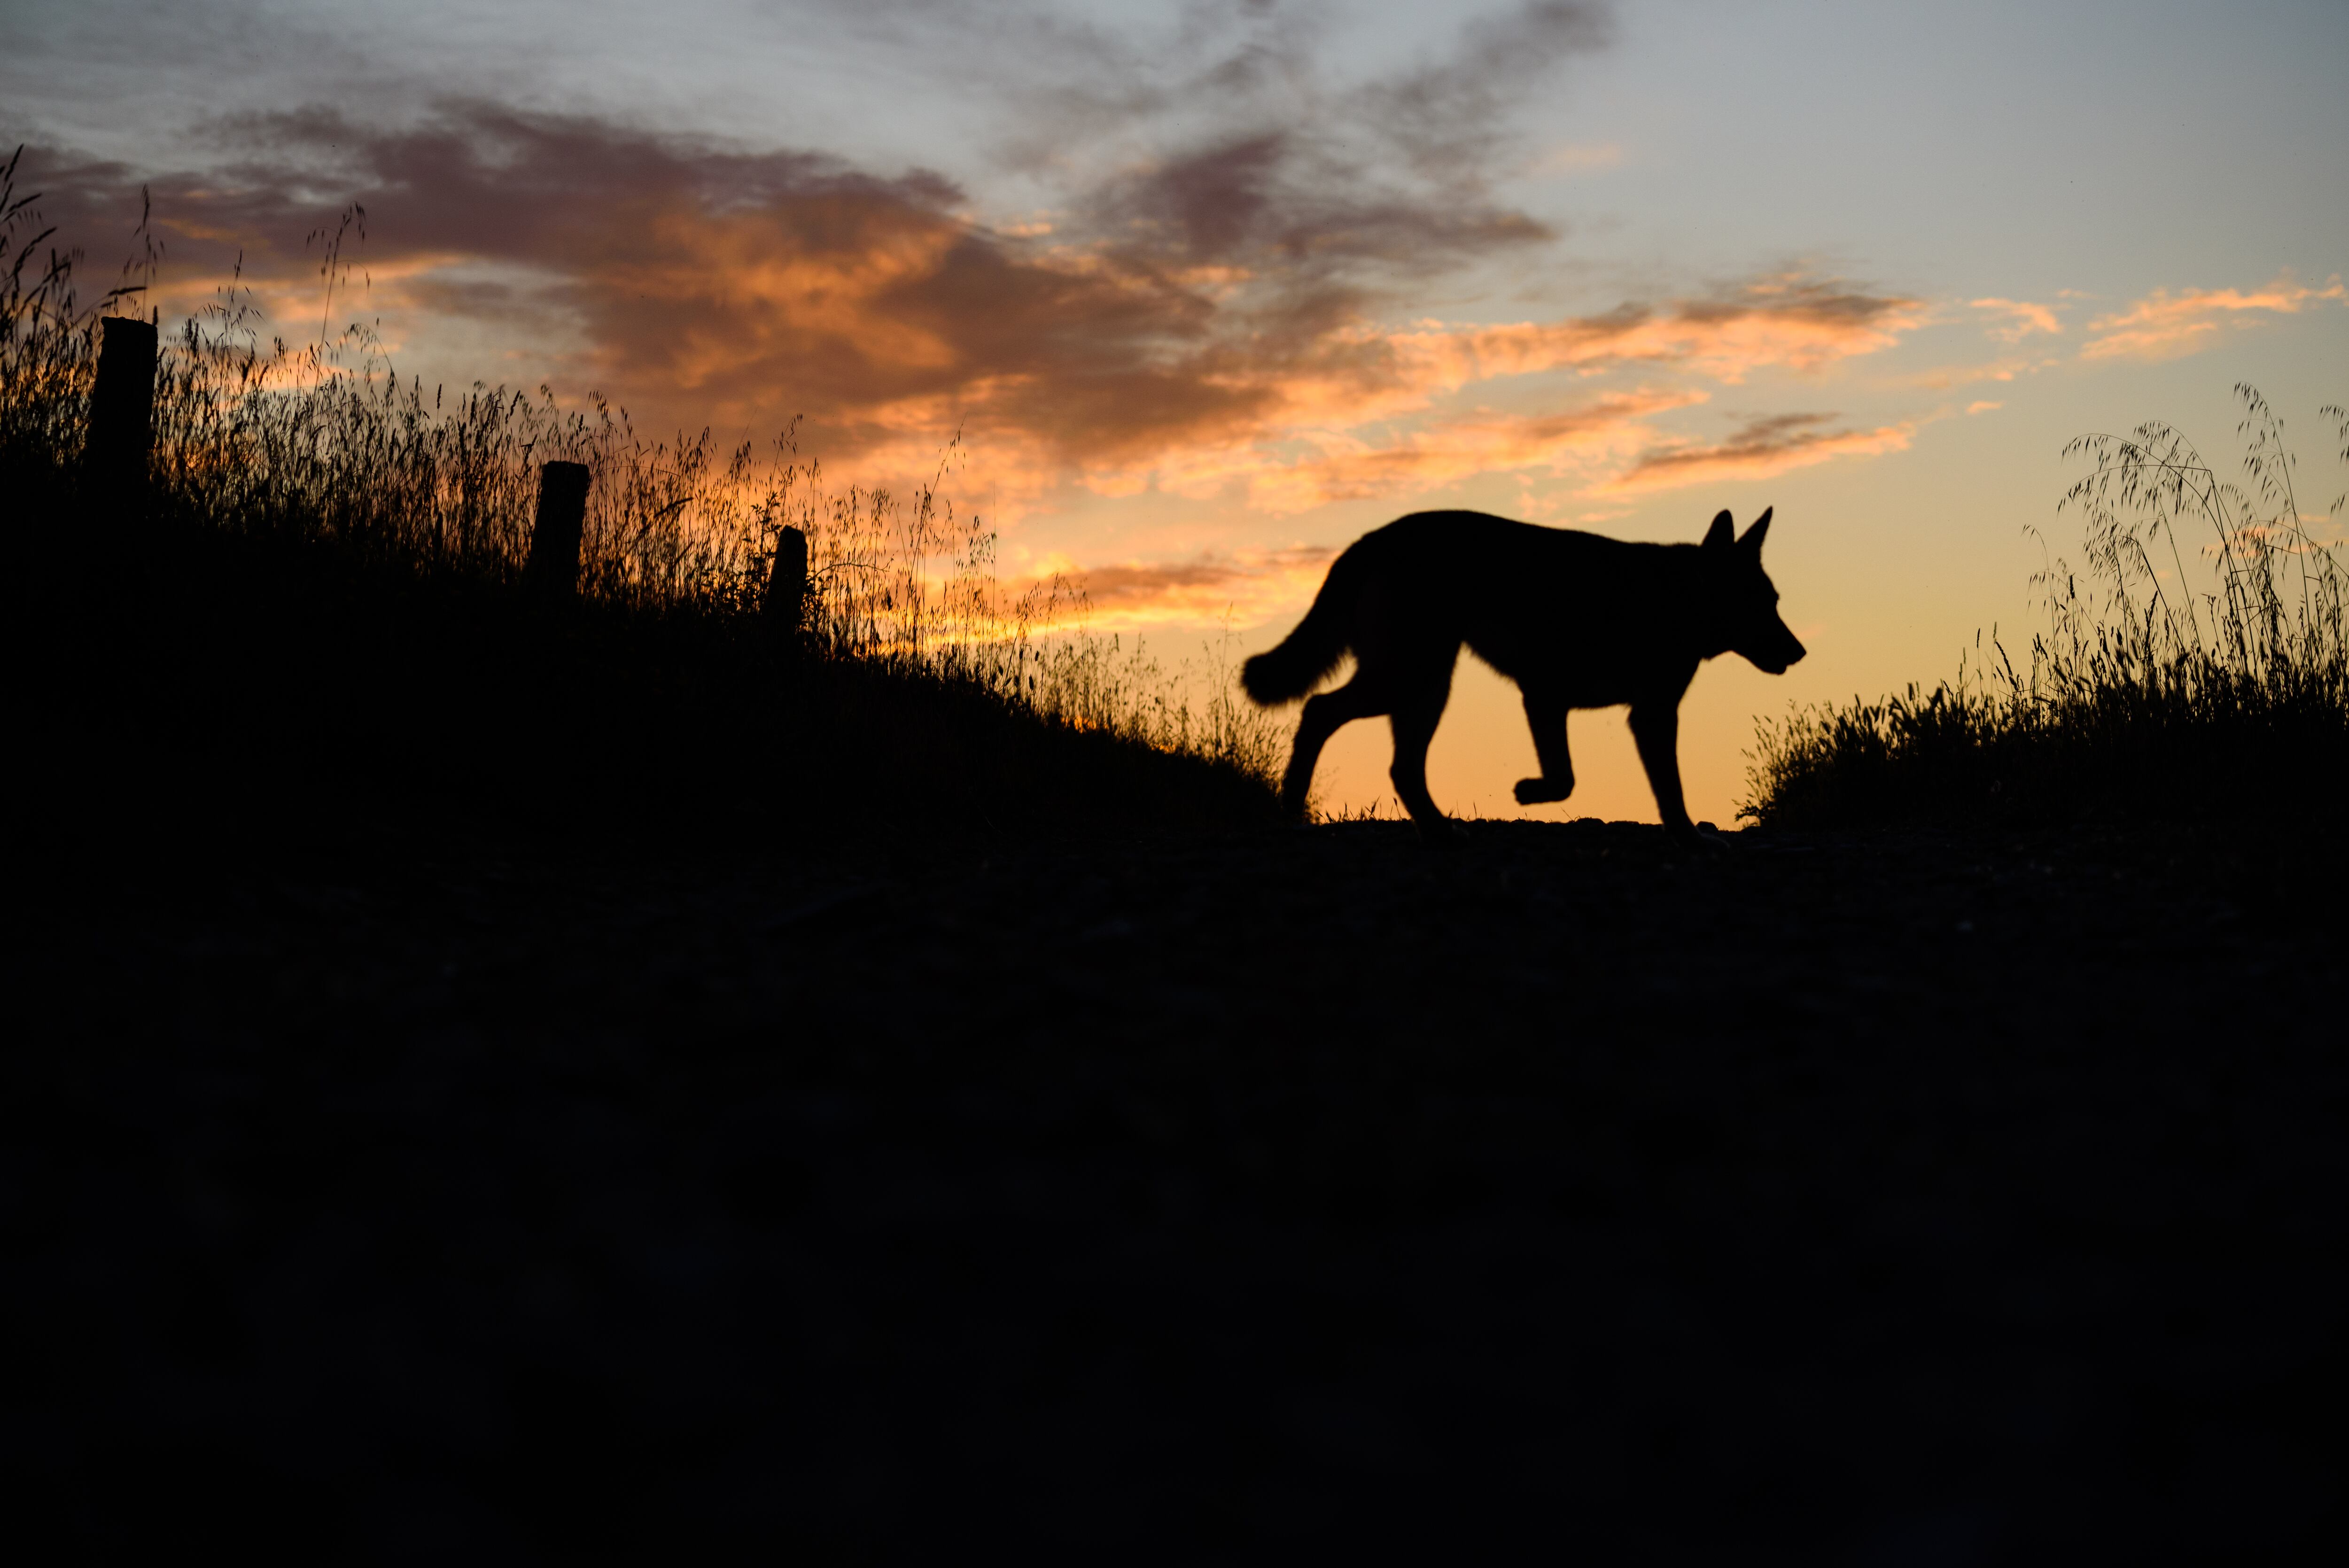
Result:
x=1540 y=791
x=1702 y=838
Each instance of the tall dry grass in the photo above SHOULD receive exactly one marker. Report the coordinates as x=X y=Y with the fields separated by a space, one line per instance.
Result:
x=2195 y=665
x=326 y=443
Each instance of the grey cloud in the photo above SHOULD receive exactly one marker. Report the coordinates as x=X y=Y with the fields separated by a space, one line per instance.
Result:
x=1777 y=436
x=646 y=238
x=1240 y=151
x=1109 y=340
x=1447 y=116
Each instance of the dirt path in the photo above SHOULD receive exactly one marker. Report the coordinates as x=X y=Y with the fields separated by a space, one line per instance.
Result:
x=1897 y=1199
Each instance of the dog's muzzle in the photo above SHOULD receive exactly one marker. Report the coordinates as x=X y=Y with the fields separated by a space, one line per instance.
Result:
x=1784 y=657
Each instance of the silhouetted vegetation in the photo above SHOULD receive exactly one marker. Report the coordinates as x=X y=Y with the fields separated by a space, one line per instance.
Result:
x=2199 y=671
x=320 y=576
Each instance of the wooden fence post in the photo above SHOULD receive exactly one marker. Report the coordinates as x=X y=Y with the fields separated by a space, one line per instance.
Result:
x=553 y=568
x=122 y=404
x=787 y=584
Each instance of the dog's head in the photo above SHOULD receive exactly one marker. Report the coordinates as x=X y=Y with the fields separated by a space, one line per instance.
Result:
x=1743 y=609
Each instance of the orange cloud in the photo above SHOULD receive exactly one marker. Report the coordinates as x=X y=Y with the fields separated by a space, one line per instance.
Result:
x=1290 y=427
x=2007 y=369
x=1764 y=447
x=1216 y=324
x=2023 y=318
x=1788 y=320
x=2164 y=326
x=1283 y=471
x=1249 y=587
x=1574 y=440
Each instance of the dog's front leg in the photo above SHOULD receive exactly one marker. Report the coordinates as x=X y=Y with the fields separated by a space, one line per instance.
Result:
x=1546 y=719
x=1656 y=730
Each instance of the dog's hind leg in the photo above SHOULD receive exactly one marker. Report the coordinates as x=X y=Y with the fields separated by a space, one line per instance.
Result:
x=1416 y=714
x=1547 y=718
x=1322 y=717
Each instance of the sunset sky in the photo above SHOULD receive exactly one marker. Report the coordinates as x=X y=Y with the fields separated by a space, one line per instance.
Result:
x=1211 y=289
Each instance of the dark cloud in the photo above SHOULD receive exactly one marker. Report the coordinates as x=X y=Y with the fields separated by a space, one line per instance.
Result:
x=713 y=285
x=1214 y=199
x=1774 y=436
x=1756 y=450
x=710 y=279
x=1832 y=304
x=1253 y=160
x=91 y=209
x=1230 y=285
x=481 y=179
x=703 y=277
x=1274 y=199
x=1447 y=116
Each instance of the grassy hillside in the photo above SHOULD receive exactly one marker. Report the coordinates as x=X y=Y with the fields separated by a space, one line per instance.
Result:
x=186 y=680
x=2195 y=668
x=309 y=610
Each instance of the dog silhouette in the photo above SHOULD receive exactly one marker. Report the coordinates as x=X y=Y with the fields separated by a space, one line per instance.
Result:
x=1577 y=619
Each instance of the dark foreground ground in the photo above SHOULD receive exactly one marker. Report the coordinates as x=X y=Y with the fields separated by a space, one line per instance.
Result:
x=1896 y=1198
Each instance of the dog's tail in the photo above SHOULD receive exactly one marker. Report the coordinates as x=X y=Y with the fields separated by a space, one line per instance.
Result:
x=1288 y=672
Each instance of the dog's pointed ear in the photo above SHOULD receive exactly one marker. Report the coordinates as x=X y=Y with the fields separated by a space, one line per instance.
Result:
x=1754 y=535
x=1722 y=531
